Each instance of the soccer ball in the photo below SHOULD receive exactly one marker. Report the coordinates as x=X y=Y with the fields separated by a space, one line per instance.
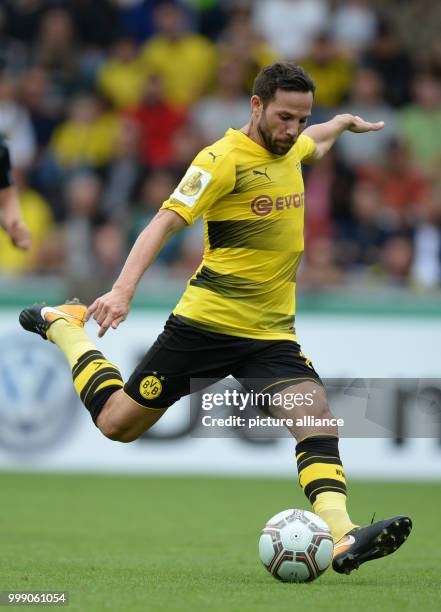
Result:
x=296 y=546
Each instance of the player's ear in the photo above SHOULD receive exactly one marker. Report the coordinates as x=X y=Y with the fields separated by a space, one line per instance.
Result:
x=256 y=105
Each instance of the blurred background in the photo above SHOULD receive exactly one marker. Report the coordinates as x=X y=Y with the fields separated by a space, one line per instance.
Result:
x=104 y=105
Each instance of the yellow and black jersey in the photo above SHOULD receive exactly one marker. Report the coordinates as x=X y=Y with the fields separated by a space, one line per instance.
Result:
x=252 y=202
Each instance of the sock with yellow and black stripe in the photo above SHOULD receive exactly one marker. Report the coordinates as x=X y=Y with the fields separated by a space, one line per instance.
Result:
x=95 y=378
x=323 y=481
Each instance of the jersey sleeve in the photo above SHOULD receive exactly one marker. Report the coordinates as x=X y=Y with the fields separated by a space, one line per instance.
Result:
x=5 y=167
x=210 y=177
x=304 y=147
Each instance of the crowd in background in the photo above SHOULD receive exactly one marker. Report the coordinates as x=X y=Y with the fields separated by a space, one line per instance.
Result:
x=105 y=104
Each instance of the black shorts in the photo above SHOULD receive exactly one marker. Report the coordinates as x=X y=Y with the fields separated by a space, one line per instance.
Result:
x=182 y=352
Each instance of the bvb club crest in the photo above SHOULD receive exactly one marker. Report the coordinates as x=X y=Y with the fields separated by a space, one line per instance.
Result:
x=192 y=184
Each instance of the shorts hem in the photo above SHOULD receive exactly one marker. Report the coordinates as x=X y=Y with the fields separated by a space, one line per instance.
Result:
x=143 y=405
x=285 y=382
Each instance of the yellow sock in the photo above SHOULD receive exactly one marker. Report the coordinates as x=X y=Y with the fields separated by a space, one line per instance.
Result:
x=95 y=378
x=70 y=339
x=331 y=507
x=323 y=481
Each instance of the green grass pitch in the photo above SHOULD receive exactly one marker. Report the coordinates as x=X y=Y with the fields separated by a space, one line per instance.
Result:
x=183 y=543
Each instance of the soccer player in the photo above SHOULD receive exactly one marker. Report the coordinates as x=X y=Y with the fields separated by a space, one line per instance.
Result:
x=236 y=315
x=10 y=216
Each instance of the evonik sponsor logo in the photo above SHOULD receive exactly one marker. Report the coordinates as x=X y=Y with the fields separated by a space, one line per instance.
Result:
x=263 y=205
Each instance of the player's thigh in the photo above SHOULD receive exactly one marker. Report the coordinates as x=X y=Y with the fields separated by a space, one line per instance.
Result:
x=273 y=366
x=181 y=355
x=288 y=387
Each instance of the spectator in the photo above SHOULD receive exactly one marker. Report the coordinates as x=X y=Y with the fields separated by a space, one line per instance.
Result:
x=87 y=136
x=227 y=107
x=331 y=70
x=123 y=174
x=393 y=64
x=434 y=60
x=56 y=48
x=16 y=125
x=86 y=257
x=403 y=186
x=158 y=121
x=155 y=189
x=354 y=24
x=420 y=123
x=95 y=22
x=328 y=187
x=395 y=261
x=135 y=18
x=362 y=238
x=211 y=16
x=239 y=42
x=418 y=23
x=290 y=25
x=23 y=18
x=186 y=61
x=366 y=101
x=14 y=55
x=36 y=214
x=109 y=251
x=121 y=77
x=186 y=143
x=320 y=270
x=44 y=103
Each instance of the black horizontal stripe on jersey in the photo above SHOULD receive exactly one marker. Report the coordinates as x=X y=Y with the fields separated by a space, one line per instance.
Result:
x=259 y=234
x=277 y=321
x=228 y=285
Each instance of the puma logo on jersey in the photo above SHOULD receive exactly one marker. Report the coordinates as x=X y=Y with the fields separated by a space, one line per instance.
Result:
x=264 y=173
x=213 y=156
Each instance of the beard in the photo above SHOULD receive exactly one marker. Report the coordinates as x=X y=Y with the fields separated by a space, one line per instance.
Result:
x=274 y=146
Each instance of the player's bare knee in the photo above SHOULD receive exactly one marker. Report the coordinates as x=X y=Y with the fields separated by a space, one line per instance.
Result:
x=317 y=403
x=116 y=432
x=114 y=429
x=321 y=410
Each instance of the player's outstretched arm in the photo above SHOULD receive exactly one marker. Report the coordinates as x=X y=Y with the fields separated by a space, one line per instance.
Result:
x=11 y=220
x=112 y=308
x=325 y=134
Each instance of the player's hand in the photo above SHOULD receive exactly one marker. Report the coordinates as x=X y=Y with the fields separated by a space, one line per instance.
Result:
x=20 y=234
x=110 y=310
x=359 y=126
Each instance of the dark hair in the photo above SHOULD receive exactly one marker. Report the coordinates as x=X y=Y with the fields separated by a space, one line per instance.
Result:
x=282 y=75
